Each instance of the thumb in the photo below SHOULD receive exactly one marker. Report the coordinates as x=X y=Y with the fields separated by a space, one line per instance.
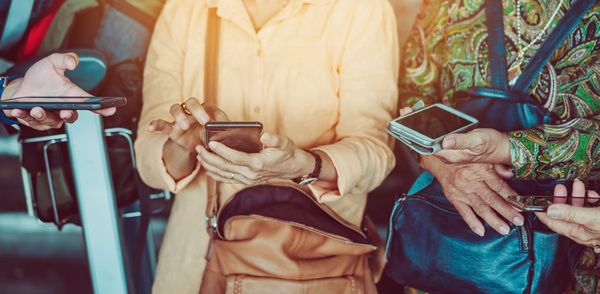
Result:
x=467 y=141
x=64 y=61
x=503 y=171
x=572 y=214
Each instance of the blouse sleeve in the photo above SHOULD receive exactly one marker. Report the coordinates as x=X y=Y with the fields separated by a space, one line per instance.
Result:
x=163 y=76
x=362 y=154
x=570 y=149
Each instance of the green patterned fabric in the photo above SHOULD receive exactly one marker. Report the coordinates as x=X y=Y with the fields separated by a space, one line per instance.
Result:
x=447 y=52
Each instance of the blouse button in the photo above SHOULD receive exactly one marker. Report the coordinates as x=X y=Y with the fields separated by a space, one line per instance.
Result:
x=257 y=109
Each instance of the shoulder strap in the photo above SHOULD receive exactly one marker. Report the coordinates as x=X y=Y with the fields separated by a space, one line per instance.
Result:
x=16 y=23
x=494 y=15
x=554 y=40
x=210 y=81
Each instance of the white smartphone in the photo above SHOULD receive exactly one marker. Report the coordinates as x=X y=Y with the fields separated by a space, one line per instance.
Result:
x=424 y=129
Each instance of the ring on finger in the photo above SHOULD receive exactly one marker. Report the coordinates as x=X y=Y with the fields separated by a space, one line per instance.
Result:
x=232 y=176
x=185 y=109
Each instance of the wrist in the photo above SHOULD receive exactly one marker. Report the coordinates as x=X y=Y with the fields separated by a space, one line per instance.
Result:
x=305 y=163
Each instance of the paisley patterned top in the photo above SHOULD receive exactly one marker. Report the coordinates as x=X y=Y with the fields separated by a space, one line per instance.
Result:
x=447 y=52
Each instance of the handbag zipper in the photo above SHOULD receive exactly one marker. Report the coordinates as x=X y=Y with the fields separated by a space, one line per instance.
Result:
x=523 y=238
x=391 y=225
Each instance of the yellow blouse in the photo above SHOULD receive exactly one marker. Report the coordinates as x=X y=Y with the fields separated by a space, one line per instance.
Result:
x=322 y=72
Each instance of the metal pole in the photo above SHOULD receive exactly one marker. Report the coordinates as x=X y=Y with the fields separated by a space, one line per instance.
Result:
x=97 y=205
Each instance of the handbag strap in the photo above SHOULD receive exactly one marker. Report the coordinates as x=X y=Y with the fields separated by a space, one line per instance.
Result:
x=494 y=15
x=210 y=81
x=497 y=52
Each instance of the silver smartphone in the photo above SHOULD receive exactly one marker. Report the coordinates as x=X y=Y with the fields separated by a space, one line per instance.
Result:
x=424 y=129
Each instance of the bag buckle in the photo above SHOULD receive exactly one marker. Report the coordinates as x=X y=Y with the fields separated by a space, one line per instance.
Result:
x=211 y=228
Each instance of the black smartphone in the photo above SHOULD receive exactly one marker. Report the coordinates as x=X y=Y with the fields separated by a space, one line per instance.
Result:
x=239 y=135
x=69 y=102
x=542 y=202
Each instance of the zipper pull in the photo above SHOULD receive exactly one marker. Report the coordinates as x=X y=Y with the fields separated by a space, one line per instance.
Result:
x=211 y=227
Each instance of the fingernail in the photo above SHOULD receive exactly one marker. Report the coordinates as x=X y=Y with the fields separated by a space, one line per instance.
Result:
x=553 y=212
x=212 y=145
x=72 y=62
x=198 y=148
x=198 y=158
x=518 y=221
x=597 y=249
x=204 y=119
x=480 y=232
x=151 y=128
x=504 y=230
x=185 y=125
x=36 y=114
x=16 y=113
x=449 y=143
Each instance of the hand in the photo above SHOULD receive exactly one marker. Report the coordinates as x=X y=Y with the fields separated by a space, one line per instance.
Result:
x=184 y=134
x=479 y=145
x=280 y=159
x=476 y=189
x=46 y=78
x=581 y=224
x=187 y=130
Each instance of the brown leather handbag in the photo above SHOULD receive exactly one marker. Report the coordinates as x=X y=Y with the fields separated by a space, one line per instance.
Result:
x=278 y=239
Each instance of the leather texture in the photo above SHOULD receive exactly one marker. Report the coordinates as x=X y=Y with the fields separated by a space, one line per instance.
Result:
x=432 y=249
x=278 y=239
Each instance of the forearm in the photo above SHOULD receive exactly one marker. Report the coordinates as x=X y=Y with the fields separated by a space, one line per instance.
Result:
x=178 y=162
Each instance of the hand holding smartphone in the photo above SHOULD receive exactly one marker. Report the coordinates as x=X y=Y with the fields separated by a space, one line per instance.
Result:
x=423 y=130
x=241 y=136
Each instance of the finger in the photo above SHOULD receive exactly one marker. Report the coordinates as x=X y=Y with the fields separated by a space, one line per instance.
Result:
x=586 y=216
x=22 y=115
x=230 y=174
x=578 y=195
x=470 y=218
x=198 y=111
x=106 y=112
x=593 y=197
x=503 y=171
x=159 y=125
x=68 y=116
x=221 y=179
x=489 y=216
x=38 y=113
x=560 y=194
x=496 y=196
x=232 y=155
x=405 y=111
x=453 y=156
x=469 y=141
x=270 y=140
x=564 y=228
x=183 y=120
x=215 y=160
x=64 y=61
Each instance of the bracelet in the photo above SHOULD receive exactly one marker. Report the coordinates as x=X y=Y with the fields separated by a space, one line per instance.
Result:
x=312 y=177
x=3 y=82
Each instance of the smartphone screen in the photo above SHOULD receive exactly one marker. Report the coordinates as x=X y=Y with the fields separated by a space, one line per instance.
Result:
x=83 y=103
x=241 y=136
x=433 y=122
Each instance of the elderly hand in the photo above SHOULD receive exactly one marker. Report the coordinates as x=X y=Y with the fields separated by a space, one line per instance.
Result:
x=476 y=190
x=280 y=159
x=479 y=145
x=581 y=224
x=47 y=78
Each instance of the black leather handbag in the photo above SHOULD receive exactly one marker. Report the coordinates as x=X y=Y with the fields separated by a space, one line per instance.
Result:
x=429 y=245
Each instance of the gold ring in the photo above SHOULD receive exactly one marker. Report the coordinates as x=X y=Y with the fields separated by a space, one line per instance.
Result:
x=185 y=109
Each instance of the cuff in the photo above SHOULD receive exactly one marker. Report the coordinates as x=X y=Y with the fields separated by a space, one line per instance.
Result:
x=154 y=163
x=344 y=161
